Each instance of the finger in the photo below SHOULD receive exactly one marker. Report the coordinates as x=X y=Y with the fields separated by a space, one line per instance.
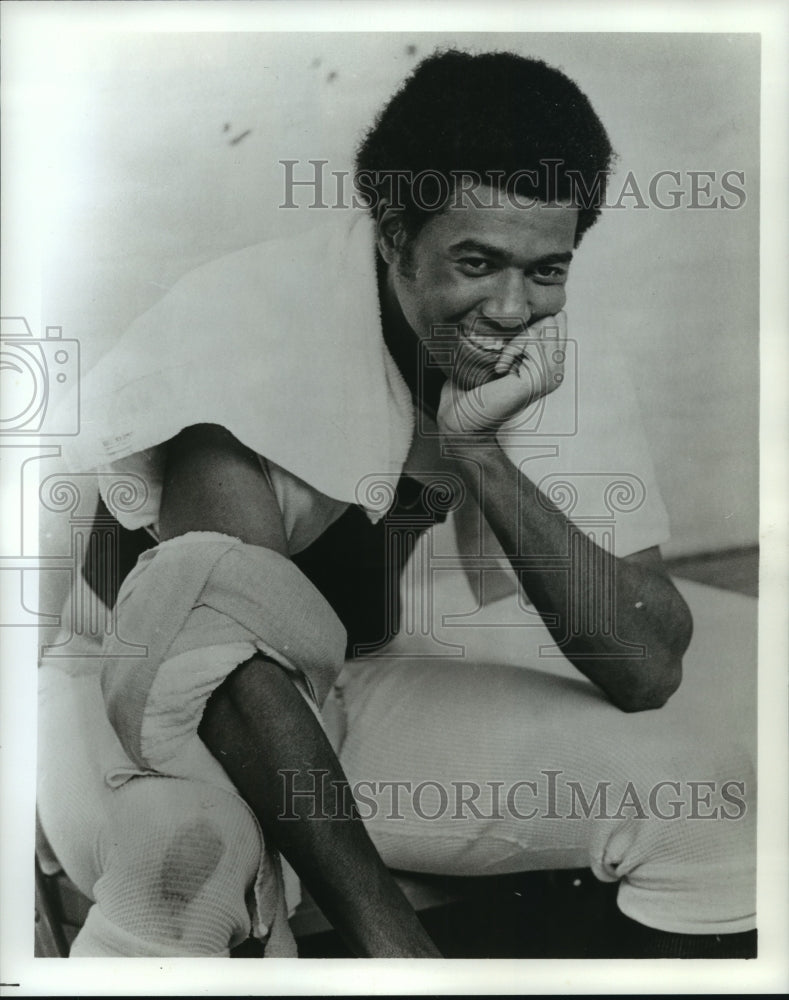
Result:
x=552 y=333
x=532 y=359
x=552 y=328
x=504 y=397
x=513 y=353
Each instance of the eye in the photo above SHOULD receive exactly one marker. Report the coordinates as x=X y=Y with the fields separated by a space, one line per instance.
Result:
x=551 y=273
x=476 y=265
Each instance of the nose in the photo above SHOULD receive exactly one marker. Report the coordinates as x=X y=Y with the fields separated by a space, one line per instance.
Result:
x=508 y=306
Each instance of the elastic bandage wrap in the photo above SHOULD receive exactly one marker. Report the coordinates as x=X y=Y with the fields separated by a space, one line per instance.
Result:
x=196 y=607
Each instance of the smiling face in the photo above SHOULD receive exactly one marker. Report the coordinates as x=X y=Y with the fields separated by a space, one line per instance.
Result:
x=475 y=276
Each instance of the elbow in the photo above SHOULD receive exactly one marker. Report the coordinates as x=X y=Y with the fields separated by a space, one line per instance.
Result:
x=653 y=691
x=662 y=673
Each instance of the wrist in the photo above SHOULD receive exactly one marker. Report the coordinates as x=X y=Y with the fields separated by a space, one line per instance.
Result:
x=472 y=451
x=477 y=444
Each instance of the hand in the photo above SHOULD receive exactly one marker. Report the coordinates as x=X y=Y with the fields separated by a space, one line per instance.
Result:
x=530 y=366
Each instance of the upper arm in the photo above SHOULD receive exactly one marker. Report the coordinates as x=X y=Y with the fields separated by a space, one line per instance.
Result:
x=214 y=483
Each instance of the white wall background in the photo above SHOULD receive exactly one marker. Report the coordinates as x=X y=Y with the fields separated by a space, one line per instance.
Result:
x=145 y=181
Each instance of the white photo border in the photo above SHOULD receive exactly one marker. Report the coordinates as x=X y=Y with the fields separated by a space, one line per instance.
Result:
x=28 y=29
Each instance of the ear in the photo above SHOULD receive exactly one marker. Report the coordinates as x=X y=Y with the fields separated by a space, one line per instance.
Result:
x=390 y=232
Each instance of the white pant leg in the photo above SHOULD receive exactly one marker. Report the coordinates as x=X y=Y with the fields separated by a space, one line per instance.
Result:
x=167 y=861
x=447 y=722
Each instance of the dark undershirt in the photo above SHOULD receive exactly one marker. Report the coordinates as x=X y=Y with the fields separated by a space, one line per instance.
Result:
x=356 y=565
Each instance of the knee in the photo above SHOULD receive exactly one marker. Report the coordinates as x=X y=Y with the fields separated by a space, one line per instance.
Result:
x=679 y=782
x=645 y=755
x=178 y=864
x=191 y=854
x=702 y=758
x=179 y=820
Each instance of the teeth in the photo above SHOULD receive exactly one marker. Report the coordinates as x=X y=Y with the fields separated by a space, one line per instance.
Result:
x=493 y=344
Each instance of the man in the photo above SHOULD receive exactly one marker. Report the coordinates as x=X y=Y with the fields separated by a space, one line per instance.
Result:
x=259 y=405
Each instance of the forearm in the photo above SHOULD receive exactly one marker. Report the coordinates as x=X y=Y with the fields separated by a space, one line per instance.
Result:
x=621 y=623
x=258 y=726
